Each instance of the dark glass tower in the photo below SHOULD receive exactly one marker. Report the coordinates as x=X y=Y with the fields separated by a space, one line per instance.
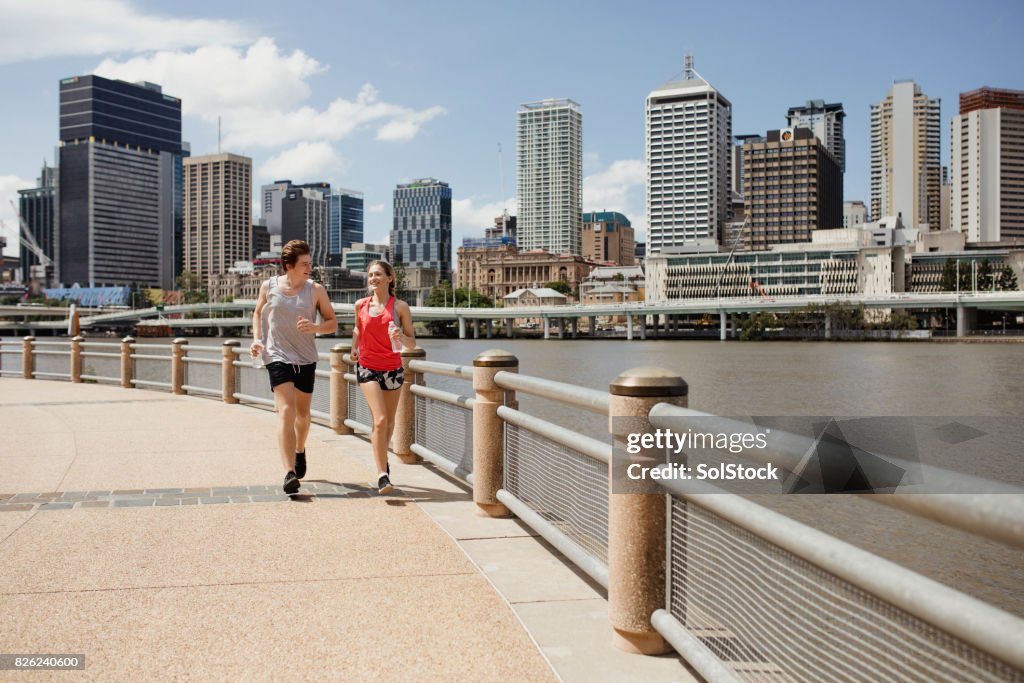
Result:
x=422 y=235
x=36 y=206
x=120 y=149
x=344 y=222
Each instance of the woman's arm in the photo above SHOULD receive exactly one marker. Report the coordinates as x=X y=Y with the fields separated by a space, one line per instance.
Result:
x=355 y=332
x=408 y=333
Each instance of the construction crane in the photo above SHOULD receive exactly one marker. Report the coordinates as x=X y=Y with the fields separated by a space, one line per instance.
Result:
x=41 y=274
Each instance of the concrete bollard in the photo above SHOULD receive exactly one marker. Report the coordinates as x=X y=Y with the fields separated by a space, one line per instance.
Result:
x=178 y=352
x=489 y=432
x=126 y=362
x=339 y=388
x=405 y=417
x=76 y=359
x=636 y=521
x=227 y=371
x=28 y=358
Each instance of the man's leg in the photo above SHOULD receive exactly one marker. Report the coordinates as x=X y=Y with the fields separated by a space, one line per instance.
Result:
x=303 y=401
x=284 y=401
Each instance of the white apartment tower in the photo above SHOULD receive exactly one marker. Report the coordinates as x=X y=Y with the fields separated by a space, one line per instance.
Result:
x=987 y=165
x=905 y=157
x=688 y=132
x=826 y=122
x=549 y=177
x=218 y=213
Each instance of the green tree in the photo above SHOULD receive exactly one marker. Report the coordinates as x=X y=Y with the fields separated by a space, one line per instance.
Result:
x=985 y=276
x=191 y=287
x=902 y=320
x=561 y=286
x=948 y=282
x=471 y=298
x=441 y=296
x=401 y=282
x=1007 y=280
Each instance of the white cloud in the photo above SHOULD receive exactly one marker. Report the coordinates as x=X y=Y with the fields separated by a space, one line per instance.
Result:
x=470 y=219
x=259 y=92
x=620 y=188
x=53 y=28
x=9 y=186
x=375 y=208
x=306 y=160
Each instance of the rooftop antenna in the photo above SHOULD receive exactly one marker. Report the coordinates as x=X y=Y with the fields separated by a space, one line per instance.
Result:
x=504 y=207
x=689 y=73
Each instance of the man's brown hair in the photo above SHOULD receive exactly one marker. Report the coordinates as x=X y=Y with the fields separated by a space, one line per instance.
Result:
x=291 y=252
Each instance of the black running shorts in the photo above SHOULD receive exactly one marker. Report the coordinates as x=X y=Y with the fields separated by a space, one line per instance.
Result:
x=302 y=376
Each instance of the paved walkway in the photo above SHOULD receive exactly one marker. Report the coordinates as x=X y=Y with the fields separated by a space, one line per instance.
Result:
x=148 y=532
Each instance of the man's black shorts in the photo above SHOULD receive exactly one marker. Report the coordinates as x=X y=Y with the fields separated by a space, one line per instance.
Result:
x=302 y=376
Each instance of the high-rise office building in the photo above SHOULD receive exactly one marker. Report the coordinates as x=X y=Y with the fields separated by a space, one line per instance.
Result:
x=303 y=212
x=987 y=165
x=270 y=204
x=905 y=157
x=119 y=147
x=218 y=213
x=344 y=222
x=688 y=132
x=422 y=233
x=793 y=187
x=608 y=236
x=37 y=207
x=826 y=122
x=549 y=175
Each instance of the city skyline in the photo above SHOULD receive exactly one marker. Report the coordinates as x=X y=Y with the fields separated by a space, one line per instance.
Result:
x=374 y=114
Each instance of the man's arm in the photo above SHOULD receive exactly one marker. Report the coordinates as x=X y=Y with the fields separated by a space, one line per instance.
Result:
x=329 y=324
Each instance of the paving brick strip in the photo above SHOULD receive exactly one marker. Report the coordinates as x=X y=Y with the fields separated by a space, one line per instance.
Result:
x=136 y=498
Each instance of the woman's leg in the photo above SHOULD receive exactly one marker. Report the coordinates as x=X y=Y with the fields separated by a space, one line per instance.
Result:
x=391 y=399
x=284 y=401
x=375 y=399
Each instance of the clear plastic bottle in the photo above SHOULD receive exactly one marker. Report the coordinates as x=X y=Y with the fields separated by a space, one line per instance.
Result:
x=257 y=362
x=396 y=344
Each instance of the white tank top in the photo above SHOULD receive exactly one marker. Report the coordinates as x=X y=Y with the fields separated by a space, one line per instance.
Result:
x=284 y=342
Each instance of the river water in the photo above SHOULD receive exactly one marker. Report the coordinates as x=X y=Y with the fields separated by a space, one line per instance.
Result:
x=807 y=378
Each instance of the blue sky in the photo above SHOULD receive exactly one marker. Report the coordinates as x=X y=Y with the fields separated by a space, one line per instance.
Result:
x=366 y=95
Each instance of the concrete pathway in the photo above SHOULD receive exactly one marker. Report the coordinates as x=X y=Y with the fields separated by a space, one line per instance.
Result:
x=149 y=533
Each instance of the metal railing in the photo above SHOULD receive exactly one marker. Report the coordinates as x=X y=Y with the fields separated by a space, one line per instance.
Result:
x=741 y=592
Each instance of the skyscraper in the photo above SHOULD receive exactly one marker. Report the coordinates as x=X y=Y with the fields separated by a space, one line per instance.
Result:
x=218 y=213
x=608 y=236
x=549 y=176
x=905 y=157
x=688 y=132
x=793 y=187
x=119 y=143
x=344 y=222
x=987 y=165
x=304 y=217
x=826 y=122
x=422 y=234
x=36 y=206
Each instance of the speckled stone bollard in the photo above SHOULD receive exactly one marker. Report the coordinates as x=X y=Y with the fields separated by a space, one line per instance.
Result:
x=76 y=359
x=339 y=389
x=405 y=417
x=489 y=431
x=636 y=521
x=28 y=358
x=178 y=352
x=227 y=371
x=126 y=362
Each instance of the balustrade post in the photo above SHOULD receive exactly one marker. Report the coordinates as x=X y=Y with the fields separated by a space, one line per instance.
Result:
x=405 y=418
x=636 y=521
x=227 y=371
x=339 y=388
x=489 y=431
x=76 y=359
x=126 y=362
x=28 y=357
x=178 y=353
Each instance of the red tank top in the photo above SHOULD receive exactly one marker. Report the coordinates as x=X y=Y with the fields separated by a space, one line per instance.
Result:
x=374 y=343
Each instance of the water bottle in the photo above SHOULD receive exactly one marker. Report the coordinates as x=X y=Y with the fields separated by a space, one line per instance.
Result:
x=396 y=344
